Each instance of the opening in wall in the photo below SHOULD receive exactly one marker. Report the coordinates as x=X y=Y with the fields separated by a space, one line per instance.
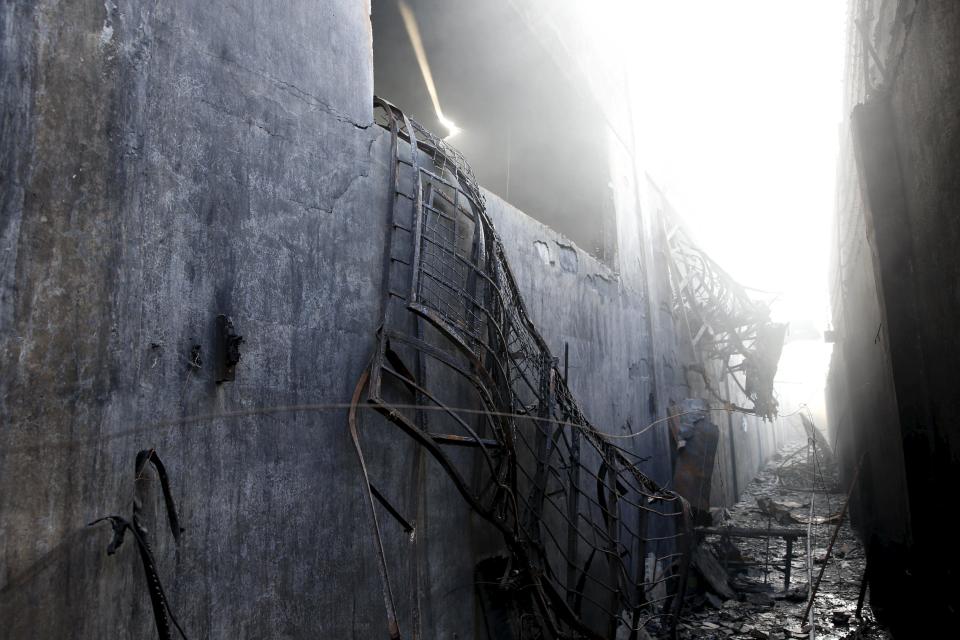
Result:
x=531 y=136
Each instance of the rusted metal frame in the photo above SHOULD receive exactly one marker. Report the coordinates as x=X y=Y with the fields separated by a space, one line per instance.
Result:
x=544 y=410
x=505 y=368
x=603 y=508
x=424 y=440
x=593 y=544
x=579 y=424
x=585 y=494
x=640 y=570
x=393 y=358
x=520 y=311
x=516 y=299
x=388 y=249
x=437 y=354
x=382 y=499
x=417 y=240
x=421 y=383
x=684 y=569
x=604 y=534
x=569 y=615
x=393 y=627
x=632 y=503
x=455 y=334
x=674 y=536
x=573 y=508
x=471 y=267
x=474 y=437
x=748 y=532
x=789 y=535
x=445 y=359
x=497 y=324
x=453 y=440
x=392 y=222
x=715 y=292
x=427 y=146
x=614 y=561
x=419 y=479
x=581 y=595
x=439 y=279
x=451 y=332
x=646 y=487
x=467 y=211
x=546 y=617
x=580 y=588
x=598 y=441
x=613 y=523
x=472 y=198
x=637 y=623
x=524 y=536
x=479 y=257
x=150 y=455
x=833 y=538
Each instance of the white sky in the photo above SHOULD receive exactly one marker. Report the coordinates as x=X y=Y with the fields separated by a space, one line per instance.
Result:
x=743 y=111
x=742 y=106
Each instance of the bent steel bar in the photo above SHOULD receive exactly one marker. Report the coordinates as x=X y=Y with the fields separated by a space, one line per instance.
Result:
x=595 y=546
x=730 y=325
x=163 y=615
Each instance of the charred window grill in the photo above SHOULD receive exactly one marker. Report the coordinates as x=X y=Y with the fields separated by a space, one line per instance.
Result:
x=594 y=544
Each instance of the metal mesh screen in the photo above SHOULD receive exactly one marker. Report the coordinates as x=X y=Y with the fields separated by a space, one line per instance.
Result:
x=596 y=549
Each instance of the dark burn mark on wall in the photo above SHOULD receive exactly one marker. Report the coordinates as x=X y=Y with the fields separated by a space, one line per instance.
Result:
x=228 y=349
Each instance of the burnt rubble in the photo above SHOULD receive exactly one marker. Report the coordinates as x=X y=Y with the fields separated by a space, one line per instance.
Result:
x=750 y=575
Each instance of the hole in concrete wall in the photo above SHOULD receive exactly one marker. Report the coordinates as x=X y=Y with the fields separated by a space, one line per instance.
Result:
x=532 y=136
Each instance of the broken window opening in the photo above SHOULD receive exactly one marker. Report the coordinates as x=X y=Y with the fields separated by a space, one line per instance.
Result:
x=532 y=137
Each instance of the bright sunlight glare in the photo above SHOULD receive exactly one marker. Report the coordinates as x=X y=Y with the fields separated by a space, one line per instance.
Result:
x=738 y=108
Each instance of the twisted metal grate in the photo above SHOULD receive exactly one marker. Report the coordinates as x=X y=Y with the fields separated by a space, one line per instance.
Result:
x=733 y=327
x=595 y=548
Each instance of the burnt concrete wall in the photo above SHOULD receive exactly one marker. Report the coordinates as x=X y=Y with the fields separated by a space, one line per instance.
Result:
x=576 y=300
x=166 y=163
x=896 y=299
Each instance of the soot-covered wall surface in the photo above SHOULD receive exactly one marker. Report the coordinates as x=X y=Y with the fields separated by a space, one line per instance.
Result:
x=163 y=164
x=895 y=299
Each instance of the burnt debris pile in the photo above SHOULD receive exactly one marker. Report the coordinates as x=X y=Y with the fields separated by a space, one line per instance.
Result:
x=783 y=562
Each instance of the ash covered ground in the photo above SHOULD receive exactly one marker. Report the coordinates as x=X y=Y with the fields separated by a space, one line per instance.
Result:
x=736 y=587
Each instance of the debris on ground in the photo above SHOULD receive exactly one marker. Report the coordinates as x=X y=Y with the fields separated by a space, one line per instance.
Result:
x=739 y=573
